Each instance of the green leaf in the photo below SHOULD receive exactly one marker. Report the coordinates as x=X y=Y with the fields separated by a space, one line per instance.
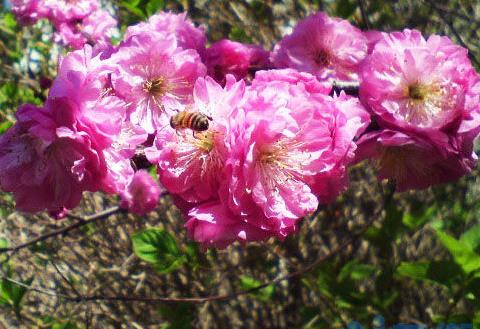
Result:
x=159 y=248
x=239 y=34
x=325 y=284
x=414 y=220
x=131 y=7
x=264 y=294
x=356 y=271
x=472 y=237
x=441 y=272
x=153 y=6
x=12 y=294
x=153 y=172
x=461 y=251
x=4 y=126
x=8 y=23
x=476 y=320
x=417 y=271
x=191 y=251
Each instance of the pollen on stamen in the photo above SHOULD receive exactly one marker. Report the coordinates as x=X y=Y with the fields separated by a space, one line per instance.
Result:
x=156 y=87
x=205 y=140
x=424 y=102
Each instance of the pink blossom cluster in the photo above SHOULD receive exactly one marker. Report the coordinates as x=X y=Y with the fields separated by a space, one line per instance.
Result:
x=76 y=22
x=278 y=141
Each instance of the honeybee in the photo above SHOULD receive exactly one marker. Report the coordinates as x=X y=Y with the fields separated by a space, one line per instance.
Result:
x=195 y=121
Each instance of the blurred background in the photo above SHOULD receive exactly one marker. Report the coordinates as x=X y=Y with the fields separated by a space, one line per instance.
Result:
x=417 y=260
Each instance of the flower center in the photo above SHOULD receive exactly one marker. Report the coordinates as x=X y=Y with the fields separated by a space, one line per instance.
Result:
x=322 y=58
x=156 y=87
x=424 y=102
x=205 y=140
x=282 y=162
x=417 y=92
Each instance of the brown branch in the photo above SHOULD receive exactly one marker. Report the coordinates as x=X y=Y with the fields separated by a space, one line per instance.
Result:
x=86 y=220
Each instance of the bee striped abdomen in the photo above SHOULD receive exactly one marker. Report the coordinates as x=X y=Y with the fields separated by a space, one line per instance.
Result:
x=195 y=121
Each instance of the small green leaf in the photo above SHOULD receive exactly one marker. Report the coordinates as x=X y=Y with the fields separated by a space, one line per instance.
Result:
x=414 y=220
x=12 y=294
x=153 y=6
x=356 y=271
x=472 y=237
x=153 y=172
x=159 y=248
x=264 y=294
x=131 y=7
x=461 y=251
x=238 y=34
x=441 y=272
x=417 y=271
x=4 y=126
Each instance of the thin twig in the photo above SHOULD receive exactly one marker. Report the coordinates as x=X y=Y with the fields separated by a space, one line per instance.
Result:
x=66 y=280
x=363 y=11
x=448 y=21
x=87 y=220
x=40 y=290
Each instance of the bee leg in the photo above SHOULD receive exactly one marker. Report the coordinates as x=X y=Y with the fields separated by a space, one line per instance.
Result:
x=193 y=134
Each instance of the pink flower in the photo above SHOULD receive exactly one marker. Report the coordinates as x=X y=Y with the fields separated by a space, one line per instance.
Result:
x=179 y=26
x=290 y=78
x=142 y=194
x=156 y=77
x=415 y=162
x=83 y=80
x=470 y=124
x=45 y=166
x=288 y=145
x=118 y=158
x=373 y=36
x=329 y=48
x=416 y=84
x=27 y=11
x=97 y=27
x=213 y=225
x=192 y=165
x=67 y=10
x=230 y=57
